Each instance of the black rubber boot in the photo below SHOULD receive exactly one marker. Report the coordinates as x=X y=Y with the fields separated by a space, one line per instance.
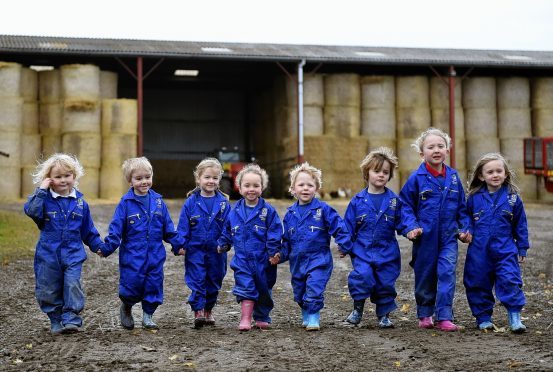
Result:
x=357 y=313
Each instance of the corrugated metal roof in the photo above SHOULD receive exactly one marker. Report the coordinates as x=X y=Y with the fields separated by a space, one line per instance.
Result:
x=274 y=52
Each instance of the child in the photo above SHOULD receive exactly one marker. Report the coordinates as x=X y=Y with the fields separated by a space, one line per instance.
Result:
x=373 y=216
x=63 y=218
x=254 y=229
x=308 y=225
x=435 y=193
x=201 y=221
x=501 y=240
x=140 y=224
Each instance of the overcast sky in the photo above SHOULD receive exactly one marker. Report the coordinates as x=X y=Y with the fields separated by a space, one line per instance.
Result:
x=472 y=24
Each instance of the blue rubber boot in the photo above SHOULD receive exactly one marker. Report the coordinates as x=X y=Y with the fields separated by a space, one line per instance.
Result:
x=313 y=321
x=357 y=313
x=486 y=325
x=304 y=317
x=385 y=322
x=125 y=316
x=515 y=322
x=55 y=327
x=148 y=322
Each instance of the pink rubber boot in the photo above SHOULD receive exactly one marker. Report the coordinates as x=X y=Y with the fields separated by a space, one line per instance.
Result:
x=246 y=318
x=426 y=322
x=262 y=325
x=446 y=326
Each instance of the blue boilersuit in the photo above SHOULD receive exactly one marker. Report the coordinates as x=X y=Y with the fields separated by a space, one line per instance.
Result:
x=204 y=267
x=375 y=256
x=306 y=243
x=441 y=212
x=500 y=235
x=139 y=235
x=255 y=238
x=60 y=254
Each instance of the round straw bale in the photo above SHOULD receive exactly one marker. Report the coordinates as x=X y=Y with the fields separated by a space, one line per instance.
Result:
x=10 y=182
x=542 y=122
x=378 y=92
x=108 y=85
x=29 y=84
x=27 y=185
x=460 y=154
x=513 y=92
x=411 y=121
x=287 y=119
x=342 y=90
x=344 y=121
x=479 y=92
x=542 y=93
x=313 y=90
x=514 y=122
x=409 y=159
x=11 y=114
x=439 y=93
x=412 y=91
x=395 y=183
x=49 y=86
x=10 y=79
x=476 y=147
x=112 y=182
x=404 y=176
x=31 y=146
x=480 y=123
x=378 y=122
x=119 y=116
x=80 y=82
x=87 y=146
x=89 y=184
x=10 y=143
x=51 y=143
x=50 y=118
x=440 y=120
x=117 y=148
x=513 y=150
x=29 y=119
x=374 y=142
x=81 y=116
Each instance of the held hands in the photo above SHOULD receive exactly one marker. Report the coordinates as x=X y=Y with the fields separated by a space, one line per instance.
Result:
x=342 y=254
x=415 y=233
x=223 y=249
x=45 y=184
x=99 y=253
x=521 y=259
x=465 y=237
x=275 y=259
x=181 y=252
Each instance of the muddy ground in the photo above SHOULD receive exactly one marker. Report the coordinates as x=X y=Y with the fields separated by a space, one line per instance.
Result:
x=26 y=344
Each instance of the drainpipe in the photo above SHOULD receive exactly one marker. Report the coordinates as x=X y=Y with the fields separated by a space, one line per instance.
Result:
x=451 y=84
x=139 y=99
x=300 y=111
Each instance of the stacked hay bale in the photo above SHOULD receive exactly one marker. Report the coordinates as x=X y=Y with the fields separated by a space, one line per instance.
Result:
x=439 y=108
x=413 y=117
x=378 y=115
x=514 y=124
x=30 y=135
x=11 y=112
x=80 y=91
x=342 y=115
x=542 y=121
x=50 y=111
x=119 y=135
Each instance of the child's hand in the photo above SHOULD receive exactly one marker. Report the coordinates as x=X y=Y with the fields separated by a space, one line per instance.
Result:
x=275 y=259
x=223 y=249
x=465 y=237
x=99 y=253
x=521 y=259
x=181 y=252
x=342 y=254
x=45 y=184
x=413 y=234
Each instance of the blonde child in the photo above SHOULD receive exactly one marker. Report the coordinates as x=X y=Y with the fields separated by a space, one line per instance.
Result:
x=499 y=245
x=140 y=224
x=200 y=224
x=254 y=229
x=373 y=216
x=308 y=226
x=63 y=218
x=435 y=193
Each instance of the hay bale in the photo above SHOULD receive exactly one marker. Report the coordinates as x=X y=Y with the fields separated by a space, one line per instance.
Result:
x=29 y=84
x=460 y=154
x=108 y=85
x=514 y=122
x=378 y=122
x=480 y=123
x=313 y=90
x=476 y=147
x=409 y=159
x=116 y=149
x=412 y=91
x=112 y=182
x=27 y=185
x=542 y=93
x=119 y=116
x=29 y=118
x=10 y=79
x=50 y=118
x=374 y=142
x=378 y=92
x=10 y=143
x=89 y=184
x=49 y=86
x=479 y=92
x=513 y=92
x=51 y=143
x=80 y=82
x=440 y=120
x=513 y=150
x=312 y=121
x=343 y=121
x=542 y=122
x=342 y=90
x=439 y=93
x=10 y=182
x=81 y=116
x=31 y=146
x=411 y=121
x=87 y=146
x=11 y=114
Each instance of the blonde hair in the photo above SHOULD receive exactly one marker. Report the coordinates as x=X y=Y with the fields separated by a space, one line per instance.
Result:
x=315 y=173
x=201 y=167
x=475 y=183
x=65 y=161
x=256 y=169
x=133 y=164
x=375 y=161
x=419 y=142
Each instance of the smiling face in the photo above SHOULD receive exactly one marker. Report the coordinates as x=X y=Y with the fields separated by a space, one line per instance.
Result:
x=434 y=151
x=141 y=181
x=493 y=173
x=251 y=188
x=209 y=181
x=304 y=188
x=62 y=180
x=378 y=179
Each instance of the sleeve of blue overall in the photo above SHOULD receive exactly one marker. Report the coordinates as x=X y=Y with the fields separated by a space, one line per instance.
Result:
x=286 y=244
x=89 y=235
x=170 y=234
x=520 y=228
x=115 y=230
x=470 y=210
x=410 y=194
x=406 y=221
x=184 y=225
x=463 y=219
x=225 y=240
x=34 y=207
x=338 y=229
x=349 y=221
x=274 y=233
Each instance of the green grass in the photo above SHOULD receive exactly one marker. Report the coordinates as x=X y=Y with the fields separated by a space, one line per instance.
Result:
x=18 y=237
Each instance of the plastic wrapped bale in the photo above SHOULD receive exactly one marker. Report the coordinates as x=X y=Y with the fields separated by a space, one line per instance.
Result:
x=49 y=86
x=80 y=82
x=108 y=85
x=81 y=116
x=119 y=116
x=85 y=145
x=10 y=79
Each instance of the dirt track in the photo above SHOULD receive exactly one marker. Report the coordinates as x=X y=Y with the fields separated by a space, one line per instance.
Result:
x=26 y=344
